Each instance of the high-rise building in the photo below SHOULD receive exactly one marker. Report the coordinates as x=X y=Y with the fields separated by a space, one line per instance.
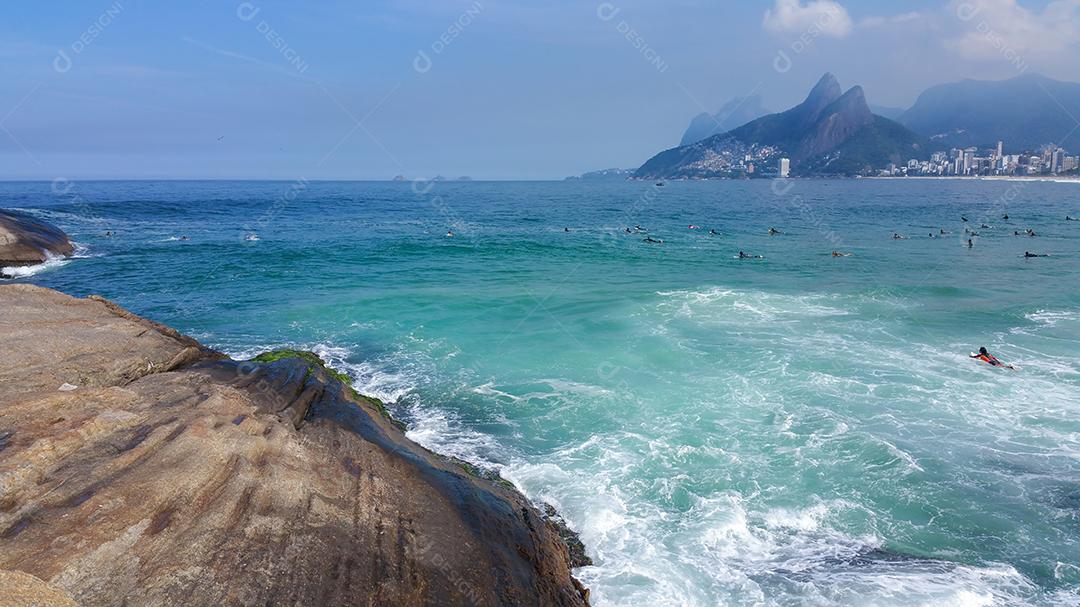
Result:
x=785 y=167
x=969 y=160
x=1055 y=161
x=1000 y=149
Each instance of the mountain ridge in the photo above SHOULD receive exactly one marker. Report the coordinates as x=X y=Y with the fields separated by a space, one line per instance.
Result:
x=826 y=120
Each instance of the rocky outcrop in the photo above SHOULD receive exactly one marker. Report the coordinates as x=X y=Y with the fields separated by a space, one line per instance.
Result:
x=25 y=241
x=138 y=467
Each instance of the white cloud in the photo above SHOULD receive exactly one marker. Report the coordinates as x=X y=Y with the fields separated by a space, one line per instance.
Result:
x=823 y=17
x=895 y=19
x=991 y=27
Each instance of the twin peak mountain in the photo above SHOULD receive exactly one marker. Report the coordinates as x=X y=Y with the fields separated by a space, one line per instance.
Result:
x=832 y=132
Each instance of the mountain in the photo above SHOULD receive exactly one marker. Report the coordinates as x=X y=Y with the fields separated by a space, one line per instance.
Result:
x=1026 y=113
x=831 y=132
x=734 y=113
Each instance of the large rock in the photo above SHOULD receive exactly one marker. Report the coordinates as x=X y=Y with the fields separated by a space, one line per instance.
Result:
x=140 y=468
x=25 y=241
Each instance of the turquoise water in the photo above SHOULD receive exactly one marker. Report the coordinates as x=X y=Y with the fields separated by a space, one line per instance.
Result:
x=796 y=430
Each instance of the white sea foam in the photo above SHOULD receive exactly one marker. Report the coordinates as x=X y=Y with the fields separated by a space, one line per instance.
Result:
x=52 y=262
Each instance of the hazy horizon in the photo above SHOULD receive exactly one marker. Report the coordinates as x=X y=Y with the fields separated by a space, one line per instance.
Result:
x=491 y=89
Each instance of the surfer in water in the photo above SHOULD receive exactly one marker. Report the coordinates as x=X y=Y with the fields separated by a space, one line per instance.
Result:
x=971 y=243
x=1030 y=254
x=653 y=240
x=745 y=256
x=713 y=232
x=840 y=254
x=773 y=231
x=990 y=359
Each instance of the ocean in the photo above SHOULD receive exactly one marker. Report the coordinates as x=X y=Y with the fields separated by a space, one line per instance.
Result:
x=795 y=429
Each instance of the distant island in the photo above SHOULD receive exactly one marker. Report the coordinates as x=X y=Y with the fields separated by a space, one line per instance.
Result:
x=966 y=129
x=604 y=175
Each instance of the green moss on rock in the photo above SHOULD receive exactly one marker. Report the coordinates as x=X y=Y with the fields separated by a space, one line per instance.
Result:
x=314 y=360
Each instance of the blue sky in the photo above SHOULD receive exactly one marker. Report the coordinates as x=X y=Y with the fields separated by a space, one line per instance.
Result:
x=502 y=89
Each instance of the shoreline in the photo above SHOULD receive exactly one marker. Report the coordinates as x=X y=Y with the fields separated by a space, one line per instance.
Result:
x=266 y=437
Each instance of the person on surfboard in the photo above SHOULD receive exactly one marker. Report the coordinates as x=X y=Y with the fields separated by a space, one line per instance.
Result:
x=990 y=359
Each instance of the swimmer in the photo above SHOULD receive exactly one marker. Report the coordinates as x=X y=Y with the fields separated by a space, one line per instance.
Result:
x=990 y=359
x=970 y=243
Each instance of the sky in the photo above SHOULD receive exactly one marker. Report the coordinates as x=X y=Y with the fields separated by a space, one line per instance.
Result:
x=492 y=89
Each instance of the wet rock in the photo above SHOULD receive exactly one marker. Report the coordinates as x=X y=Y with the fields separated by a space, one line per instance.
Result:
x=26 y=241
x=174 y=475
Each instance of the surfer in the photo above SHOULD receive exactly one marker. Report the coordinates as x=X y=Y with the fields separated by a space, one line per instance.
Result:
x=897 y=236
x=629 y=231
x=1068 y=218
x=566 y=229
x=449 y=233
x=963 y=218
x=745 y=256
x=840 y=254
x=990 y=359
x=693 y=227
x=653 y=240
x=970 y=243
x=1030 y=254
x=713 y=232
x=943 y=232
x=1005 y=216
x=773 y=231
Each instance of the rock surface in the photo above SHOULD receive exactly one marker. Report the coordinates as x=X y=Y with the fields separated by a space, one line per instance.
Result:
x=25 y=241
x=139 y=468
